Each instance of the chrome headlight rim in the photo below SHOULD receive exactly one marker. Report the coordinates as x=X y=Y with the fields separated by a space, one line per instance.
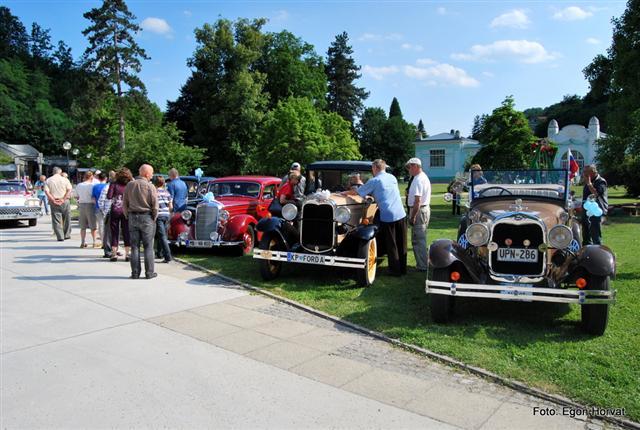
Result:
x=289 y=211
x=186 y=215
x=478 y=234
x=342 y=214
x=474 y=215
x=223 y=215
x=560 y=236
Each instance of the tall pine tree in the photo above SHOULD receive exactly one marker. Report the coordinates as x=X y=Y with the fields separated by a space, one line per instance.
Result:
x=422 y=133
x=113 y=52
x=344 y=97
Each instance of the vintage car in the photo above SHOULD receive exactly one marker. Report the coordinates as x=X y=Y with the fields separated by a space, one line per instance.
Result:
x=326 y=228
x=17 y=203
x=520 y=241
x=230 y=218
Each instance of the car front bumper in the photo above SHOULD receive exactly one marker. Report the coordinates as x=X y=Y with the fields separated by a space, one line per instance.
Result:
x=521 y=292
x=204 y=243
x=13 y=213
x=317 y=259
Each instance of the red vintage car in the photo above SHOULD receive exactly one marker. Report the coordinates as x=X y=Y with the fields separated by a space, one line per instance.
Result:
x=230 y=218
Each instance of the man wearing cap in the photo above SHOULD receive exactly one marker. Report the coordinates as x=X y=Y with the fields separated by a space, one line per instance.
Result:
x=298 y=191
x=393 y=219
x=419 y=199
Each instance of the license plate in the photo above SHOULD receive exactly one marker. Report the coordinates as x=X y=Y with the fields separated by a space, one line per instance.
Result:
x=295 y=257
x=525 y=296
x=199 y=243
x=518 y=255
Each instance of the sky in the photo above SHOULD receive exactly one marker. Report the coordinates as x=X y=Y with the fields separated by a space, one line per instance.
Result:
x=445 y=61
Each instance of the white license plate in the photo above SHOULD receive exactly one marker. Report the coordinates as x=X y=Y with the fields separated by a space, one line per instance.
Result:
x=524 y=296
x=295 y=257
x=199 y=243
x=518 y=255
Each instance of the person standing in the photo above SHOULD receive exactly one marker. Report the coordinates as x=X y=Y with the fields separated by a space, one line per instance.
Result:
x=140 y=206
x=178 y=191
x=118 y=220
x=162 y=222
x=104 y=204
x=58 y=191
x=595 y=185
x=42 y=196
x=298 y=190
x=393 y=219
x=419 y=213
x=87 y=209
x=95 y=193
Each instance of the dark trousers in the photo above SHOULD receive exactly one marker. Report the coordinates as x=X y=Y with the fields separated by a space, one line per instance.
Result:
x=394 y=241
x=455 y=205
x=591 y=231
x=61 y=220
x=106 y=238
x=162 y=243
x=117 y=222
x=142 y=229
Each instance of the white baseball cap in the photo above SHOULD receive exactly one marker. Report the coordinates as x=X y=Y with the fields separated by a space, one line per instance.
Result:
x=295 y=166
x=414 y=160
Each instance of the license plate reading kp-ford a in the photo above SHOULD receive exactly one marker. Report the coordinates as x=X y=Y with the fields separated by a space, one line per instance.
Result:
x=518 y=255
x=295 y=257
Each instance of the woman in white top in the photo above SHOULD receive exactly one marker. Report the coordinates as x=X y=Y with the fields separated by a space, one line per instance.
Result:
x=86 y=205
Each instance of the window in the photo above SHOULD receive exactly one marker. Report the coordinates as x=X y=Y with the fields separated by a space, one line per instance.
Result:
x=577 y=155
x=269 y=191
x=436 y=158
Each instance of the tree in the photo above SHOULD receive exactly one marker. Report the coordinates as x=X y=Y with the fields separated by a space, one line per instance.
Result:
x=14 y=39
x=370 y=132
x=292 y=69
x=478 y=122
x=344 y=97
x=297 y=131
x=40 y=44
x=113 y=52
x=394 y=109
x=422 y=133
x=505 y=138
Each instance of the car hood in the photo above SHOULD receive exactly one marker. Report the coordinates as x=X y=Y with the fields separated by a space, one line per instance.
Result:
x=337 y=198
x=549 y=213
x=13 y=200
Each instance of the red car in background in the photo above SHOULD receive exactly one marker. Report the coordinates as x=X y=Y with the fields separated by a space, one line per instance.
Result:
x=230 y=218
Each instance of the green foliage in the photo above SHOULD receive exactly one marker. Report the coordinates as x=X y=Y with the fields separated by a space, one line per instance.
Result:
x=14 y=40
x=422 y=133
x=297 y=131
x=344 y=97
x=394 y=109
x=573 y=109
x=505 y=138
x=370 y=132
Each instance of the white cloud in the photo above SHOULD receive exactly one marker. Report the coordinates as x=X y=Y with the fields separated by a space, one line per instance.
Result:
x=281 y=15
x=441 y=74
x=425 y=61
x=571 y=13
x=524 y=50
x=373 y=37
x=378 y=73
x=592 y=41
x=411 y=47
x=488 y=74
x=516 y=18
x=157 y=25
x=441 y=10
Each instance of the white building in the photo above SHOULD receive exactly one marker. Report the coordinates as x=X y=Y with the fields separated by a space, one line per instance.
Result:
x=445 y=154
x=581 y=140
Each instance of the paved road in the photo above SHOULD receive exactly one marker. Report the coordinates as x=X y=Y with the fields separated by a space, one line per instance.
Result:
x=84 y=347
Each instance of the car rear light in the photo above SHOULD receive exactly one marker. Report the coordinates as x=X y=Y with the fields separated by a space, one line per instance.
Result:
x=455 y=276
x=581 y=283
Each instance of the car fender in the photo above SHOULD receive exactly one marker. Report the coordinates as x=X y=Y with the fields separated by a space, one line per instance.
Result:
x=176 y=226
x=598 y=260
x=365 y=232
x=286 y=231
x=237 y=225
x=445 y=252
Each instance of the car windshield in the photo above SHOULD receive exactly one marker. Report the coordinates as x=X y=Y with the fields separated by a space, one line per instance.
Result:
x=192 y=187
x=235 y=189
x=335 y=180
x=12 y=188
x=522 y=183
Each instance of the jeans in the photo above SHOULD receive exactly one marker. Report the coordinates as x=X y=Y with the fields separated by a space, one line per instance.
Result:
x=61 y=220
x=44 y=201
x=162 y=243
x=106 y=239
x=591 y=231
x=142 y=228
x=419 y=238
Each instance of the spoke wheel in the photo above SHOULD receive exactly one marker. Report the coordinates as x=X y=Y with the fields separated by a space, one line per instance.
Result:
x=595 y=317
x=248 y=241
x=270 y=269
x=369 y=251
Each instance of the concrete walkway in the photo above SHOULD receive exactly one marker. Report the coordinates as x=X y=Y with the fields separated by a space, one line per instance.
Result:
x=84 y=347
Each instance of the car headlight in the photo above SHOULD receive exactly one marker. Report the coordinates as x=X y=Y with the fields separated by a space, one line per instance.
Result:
x=564 y=217
x=186 y=215
x=224 y=215
x=477 y=234
x=32 y=202
x=183 y=236
x=214 y=236
x=560 y=236
x=343 y=214
x=289 y=211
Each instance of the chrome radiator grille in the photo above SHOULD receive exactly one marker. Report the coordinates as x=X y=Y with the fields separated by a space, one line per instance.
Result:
x=317 y=229
x=14 y=210
x=206 y=221
x=517 y=233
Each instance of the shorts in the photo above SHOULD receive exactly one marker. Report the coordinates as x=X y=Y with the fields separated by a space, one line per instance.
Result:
x=87 y=215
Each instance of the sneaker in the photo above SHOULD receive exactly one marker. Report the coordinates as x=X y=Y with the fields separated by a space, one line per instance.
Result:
x=83 y=245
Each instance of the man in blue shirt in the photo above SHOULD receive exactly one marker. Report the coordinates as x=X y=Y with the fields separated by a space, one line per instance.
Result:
x=178 y=191
x=393 y=219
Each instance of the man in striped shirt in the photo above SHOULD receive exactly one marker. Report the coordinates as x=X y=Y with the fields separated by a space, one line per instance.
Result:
x=165 y=205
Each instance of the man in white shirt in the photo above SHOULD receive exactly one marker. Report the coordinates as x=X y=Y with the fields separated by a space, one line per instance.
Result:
x=419 y=199
x=58 y=190
x=86 y=206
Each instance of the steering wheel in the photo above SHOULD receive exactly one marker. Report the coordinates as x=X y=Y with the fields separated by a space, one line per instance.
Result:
x=504 y=190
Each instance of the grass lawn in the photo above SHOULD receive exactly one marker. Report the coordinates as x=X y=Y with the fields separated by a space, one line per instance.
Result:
x=536 y=343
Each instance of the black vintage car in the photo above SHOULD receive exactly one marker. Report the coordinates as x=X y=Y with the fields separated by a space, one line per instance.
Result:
x=520 y=241
x=326 y=228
